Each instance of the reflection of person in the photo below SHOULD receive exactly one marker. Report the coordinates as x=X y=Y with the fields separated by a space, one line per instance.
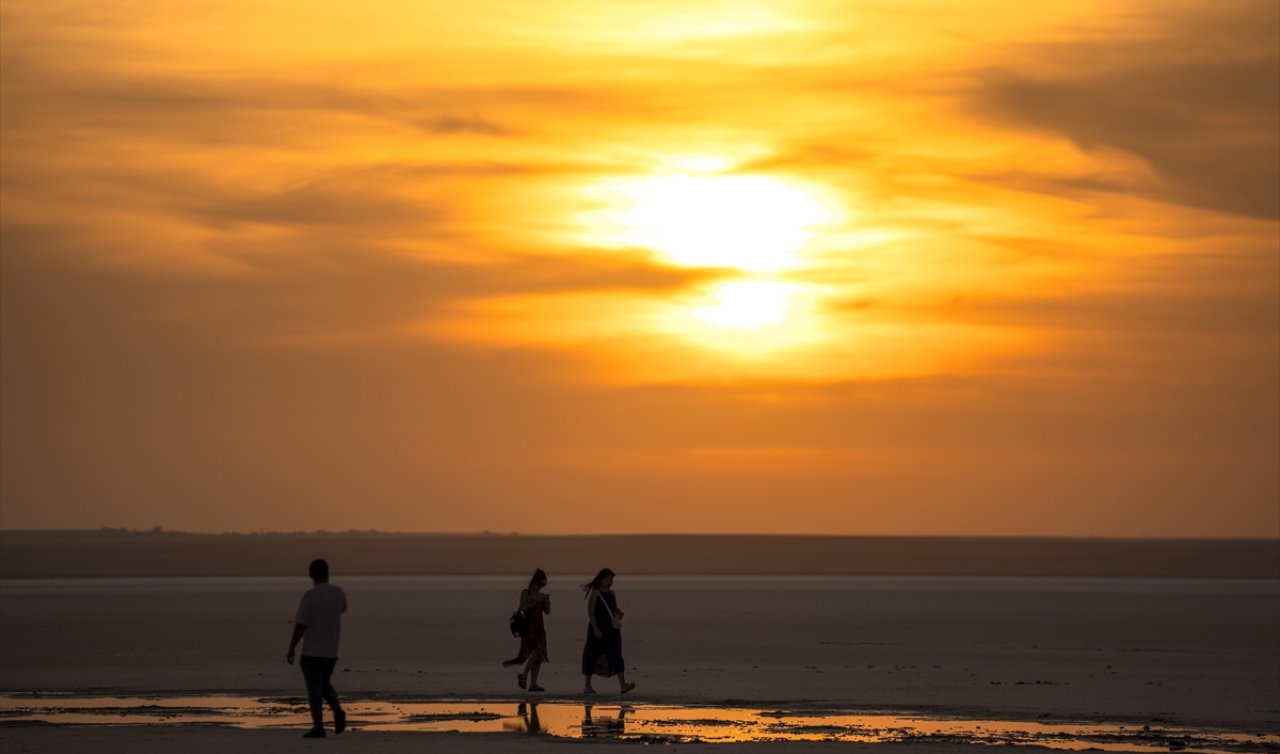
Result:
x=526 y=720
x=533 y=643
x=318 y=624
x=531 y=722
x=602 y=654
x=603 y=727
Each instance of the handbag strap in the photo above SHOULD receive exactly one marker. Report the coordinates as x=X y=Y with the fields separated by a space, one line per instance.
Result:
x=607 y=609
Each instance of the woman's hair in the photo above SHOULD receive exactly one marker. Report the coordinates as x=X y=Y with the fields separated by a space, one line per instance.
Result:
x=595 y=583
x=538 y=575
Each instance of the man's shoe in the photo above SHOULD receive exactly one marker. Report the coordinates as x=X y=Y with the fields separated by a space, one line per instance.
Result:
x=339 y=722
x=314 y=733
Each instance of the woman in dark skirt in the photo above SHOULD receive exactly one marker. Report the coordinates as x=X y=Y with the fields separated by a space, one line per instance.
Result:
x=533 y=643
x=602 y=654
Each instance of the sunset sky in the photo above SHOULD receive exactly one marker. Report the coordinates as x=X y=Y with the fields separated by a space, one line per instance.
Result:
x=986 y=267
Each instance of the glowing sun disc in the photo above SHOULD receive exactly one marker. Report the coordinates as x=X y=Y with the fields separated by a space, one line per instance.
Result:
x=747 y=305
x=751 y=223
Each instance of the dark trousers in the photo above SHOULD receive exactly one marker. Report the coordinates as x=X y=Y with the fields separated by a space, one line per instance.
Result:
x=317 y=671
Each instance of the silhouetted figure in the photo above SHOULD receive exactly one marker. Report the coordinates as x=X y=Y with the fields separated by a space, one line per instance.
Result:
x=603 y=727
x=534 y=603
x=319 y=624
x=602 y=654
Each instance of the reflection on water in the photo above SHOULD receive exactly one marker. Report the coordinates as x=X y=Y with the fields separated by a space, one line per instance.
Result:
x=606 y=725
x=633 y=722
x=526 y=721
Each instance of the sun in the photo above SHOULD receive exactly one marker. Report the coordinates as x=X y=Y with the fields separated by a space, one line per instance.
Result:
x=748 y=319
x=750 y=223
x=757 y=232
x=748 y=305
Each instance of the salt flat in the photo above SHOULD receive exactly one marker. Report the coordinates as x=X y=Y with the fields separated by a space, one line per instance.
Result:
x=1196 y=652
x=122 y=553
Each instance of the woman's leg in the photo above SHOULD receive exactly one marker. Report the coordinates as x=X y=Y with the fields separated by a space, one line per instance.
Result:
x=590 y=651
x=618 y=664
x=535 y=663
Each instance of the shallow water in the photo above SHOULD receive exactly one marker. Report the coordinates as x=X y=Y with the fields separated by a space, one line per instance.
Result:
x=635 y=722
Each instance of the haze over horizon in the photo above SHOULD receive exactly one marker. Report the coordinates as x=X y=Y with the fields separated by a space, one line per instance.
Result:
x=930 y=268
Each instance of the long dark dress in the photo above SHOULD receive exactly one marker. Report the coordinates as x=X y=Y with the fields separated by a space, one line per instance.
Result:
x=603 y=656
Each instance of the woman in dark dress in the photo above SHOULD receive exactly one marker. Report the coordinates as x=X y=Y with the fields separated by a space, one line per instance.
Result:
x=533 y=642
x=602 y=654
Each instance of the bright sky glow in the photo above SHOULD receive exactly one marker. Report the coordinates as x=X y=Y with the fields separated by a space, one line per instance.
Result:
x=748 y=304
x=743 y=222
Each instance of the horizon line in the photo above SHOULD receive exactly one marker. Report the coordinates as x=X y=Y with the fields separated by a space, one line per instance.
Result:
x=157 y=530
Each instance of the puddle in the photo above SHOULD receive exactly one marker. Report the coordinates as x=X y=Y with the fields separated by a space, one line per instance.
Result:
x=633 y=722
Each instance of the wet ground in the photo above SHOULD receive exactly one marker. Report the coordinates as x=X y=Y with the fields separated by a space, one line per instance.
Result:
x=560 y=719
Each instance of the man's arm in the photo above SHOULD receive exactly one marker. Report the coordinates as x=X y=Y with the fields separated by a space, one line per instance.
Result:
x=298 y=630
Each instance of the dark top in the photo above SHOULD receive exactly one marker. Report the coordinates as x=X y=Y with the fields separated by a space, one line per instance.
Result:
x=603 y=656
x=607 y=603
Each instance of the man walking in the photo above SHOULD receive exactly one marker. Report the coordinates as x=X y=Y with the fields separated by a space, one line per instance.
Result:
x=319 y=620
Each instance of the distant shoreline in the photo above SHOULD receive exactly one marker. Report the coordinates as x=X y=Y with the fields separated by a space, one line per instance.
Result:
x=122 y=553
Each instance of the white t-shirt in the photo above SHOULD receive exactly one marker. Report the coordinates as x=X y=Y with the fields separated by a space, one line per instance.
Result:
x=321 y=612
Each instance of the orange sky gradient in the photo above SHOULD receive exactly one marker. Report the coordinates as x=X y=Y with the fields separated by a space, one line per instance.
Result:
x=970 y=268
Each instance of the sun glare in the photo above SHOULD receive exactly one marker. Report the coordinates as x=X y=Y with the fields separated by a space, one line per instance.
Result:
x=744 y=222
x=749 y=304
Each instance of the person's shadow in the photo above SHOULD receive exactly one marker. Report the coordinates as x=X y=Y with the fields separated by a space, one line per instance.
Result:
x=603 y=727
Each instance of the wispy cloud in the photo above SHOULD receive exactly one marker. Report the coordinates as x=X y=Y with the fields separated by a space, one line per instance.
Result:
x=1194 y=93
